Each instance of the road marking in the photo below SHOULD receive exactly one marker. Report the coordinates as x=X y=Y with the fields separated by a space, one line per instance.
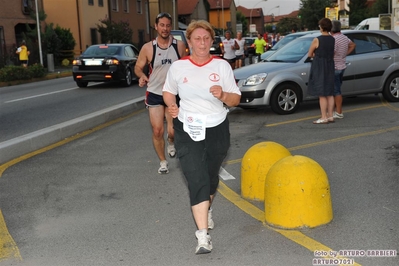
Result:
x=313 y=117
x=48 y=93
x=8 y=247
x=223 y=174
x=39 y=95
x=256 y=213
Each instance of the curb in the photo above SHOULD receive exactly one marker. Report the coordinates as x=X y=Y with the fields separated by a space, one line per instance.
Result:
x=19 y=146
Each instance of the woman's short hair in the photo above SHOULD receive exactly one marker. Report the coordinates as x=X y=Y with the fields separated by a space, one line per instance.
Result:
x=195 y=24
x=325 y=24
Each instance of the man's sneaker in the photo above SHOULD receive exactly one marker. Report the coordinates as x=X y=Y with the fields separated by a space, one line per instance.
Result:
x=211 y=224
x=204 y=242
x=171 y=150
x=164 y=167
x=338 y=115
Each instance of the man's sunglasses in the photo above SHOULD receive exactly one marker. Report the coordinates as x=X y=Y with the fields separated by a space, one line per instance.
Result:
x=164 y=15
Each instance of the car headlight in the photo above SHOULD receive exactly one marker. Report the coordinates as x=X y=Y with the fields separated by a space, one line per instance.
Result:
x=255 y=79
x=111 y=62
x=77 y=62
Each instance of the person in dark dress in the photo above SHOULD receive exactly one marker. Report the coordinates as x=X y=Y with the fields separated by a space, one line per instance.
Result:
x=321 y=79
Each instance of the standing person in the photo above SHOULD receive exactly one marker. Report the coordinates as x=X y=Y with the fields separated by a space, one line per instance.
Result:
x=159 y=55
x=228 y=49
x=202 y=137
x=23 y=53
x=321 y=79
x=343 y=47
x=240 y=56
x=260 y=45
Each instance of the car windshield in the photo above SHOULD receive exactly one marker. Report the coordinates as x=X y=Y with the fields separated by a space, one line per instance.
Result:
x=103 y=50
x=217 y=40
x=292 y=52
x=284 y=41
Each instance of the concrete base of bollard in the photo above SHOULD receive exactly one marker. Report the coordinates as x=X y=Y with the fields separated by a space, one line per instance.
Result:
x=255 y=166
x=297 y=194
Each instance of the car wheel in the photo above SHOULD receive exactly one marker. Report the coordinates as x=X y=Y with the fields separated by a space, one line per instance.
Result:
x=285 y=99
x=128 y=77
x=82 y=84
x=391 y=88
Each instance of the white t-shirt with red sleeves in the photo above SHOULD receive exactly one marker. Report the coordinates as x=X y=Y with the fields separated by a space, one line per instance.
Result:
x=193 y=82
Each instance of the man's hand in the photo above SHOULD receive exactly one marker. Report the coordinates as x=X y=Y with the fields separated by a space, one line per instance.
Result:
x=143 y=80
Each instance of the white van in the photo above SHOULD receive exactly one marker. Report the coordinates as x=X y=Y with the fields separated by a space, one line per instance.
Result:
x=369 y=24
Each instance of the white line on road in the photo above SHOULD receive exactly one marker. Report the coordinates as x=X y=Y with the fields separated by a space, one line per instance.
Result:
x=40 y=95
x=225 y=175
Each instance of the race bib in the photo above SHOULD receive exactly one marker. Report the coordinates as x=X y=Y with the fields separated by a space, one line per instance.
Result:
x=195 y=126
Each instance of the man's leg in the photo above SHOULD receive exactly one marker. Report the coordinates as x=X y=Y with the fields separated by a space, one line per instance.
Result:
x=157 y=116
x=171 y=134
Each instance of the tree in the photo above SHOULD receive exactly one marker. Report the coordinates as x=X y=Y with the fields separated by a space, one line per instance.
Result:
x=358 y=11
x=241 y=19
x=67 y=43
x=115 y=32
x=379 y=7
x=311 y=11
x=285 y=25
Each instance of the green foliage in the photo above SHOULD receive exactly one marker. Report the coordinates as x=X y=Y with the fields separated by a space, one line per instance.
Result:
x=115 y=32
x=67 y=40
x=285 y=25
x=358 y=11
x=67 y=44
x=241 y=19
x=11 y=73
x=36 y=71
x=311 y=11
x=379 y=7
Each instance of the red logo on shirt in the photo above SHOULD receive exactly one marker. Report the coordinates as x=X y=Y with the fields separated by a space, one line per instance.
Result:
x=214 y=77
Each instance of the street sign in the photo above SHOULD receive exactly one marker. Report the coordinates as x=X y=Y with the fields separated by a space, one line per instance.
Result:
x=252 y=28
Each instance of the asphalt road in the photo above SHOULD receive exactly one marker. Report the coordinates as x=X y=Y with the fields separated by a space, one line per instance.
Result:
x=33 y=106
x=96 y=198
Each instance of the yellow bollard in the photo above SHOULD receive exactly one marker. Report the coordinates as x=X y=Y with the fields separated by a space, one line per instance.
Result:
x=297 y=194
x=255 y=165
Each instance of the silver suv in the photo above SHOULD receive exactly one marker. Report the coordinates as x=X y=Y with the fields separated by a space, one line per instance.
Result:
x=281 y=80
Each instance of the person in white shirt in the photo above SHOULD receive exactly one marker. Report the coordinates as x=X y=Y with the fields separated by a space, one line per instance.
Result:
x=228 y=49
x=240 y=56
x=205 y=84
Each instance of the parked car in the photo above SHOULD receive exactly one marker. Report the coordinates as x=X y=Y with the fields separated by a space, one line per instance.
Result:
x=106 y=62
x=281 y=80
x=288 y=38
x=181 y=36
x=250 y=50
x=216 y=48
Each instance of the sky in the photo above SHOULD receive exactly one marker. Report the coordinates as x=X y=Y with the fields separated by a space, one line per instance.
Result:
x=277 y=7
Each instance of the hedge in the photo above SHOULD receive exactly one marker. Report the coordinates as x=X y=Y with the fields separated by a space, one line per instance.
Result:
x=11 y=73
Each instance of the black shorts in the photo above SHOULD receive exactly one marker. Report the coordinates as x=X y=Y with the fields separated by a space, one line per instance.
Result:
x=233 y=60
x=201 y=160
x=240 y=57
x=152 y=99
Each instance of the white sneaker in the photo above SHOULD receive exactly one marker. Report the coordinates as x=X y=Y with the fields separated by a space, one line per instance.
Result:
x=171 y=150
x=211 y=224
x=338 y=115
x=164 y=167
x=204 y=242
